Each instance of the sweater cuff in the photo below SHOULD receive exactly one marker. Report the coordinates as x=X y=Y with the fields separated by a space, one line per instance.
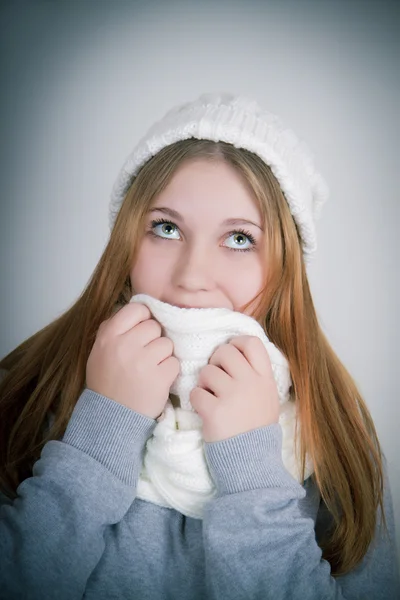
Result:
x=111 y=433
x=249 y=461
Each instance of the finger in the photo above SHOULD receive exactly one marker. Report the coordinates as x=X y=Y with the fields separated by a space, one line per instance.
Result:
x=230 y=359
x=169 y=369
x=128 y=317
x=254 y=351
x=214 y=379
x=159 y=349
x=201 y=400
x=145 y=332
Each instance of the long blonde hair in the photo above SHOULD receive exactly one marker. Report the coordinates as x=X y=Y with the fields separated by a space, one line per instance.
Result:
x=47 y=371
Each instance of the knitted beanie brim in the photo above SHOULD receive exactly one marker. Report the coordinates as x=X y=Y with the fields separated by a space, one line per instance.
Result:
x=242 y=123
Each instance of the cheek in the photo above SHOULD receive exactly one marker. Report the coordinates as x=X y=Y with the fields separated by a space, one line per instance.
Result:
x=244 y=279
x=150 y=270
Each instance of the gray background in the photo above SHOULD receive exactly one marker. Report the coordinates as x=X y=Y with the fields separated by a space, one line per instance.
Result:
x=82 y=81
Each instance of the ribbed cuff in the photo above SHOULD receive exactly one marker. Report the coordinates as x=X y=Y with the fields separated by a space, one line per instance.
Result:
x=249 y=461
x=111 y=433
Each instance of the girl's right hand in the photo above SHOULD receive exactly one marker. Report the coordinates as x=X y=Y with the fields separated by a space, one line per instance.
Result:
x=131 y=362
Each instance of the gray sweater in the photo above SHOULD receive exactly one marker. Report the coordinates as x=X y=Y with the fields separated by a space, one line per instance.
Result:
x=77 y=531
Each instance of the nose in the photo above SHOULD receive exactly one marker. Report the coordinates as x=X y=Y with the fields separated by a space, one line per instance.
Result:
x=193 y=269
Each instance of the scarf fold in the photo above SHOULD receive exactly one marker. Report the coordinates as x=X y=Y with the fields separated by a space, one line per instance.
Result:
x=175 y=472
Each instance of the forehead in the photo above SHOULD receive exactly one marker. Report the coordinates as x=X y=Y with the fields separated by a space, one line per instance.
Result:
x=209 y=185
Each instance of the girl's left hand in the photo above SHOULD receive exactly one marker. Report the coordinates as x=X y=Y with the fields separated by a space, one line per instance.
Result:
x=236 y=391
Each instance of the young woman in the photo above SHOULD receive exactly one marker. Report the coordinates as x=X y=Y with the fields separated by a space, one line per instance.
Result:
x=213 y=223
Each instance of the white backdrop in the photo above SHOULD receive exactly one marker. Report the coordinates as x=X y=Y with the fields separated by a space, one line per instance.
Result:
x=82 y=81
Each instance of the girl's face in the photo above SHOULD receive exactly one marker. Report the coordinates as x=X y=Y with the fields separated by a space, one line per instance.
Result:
x=202 y=245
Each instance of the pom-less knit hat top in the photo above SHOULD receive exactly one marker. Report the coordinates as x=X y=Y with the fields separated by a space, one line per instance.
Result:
x=244 y=124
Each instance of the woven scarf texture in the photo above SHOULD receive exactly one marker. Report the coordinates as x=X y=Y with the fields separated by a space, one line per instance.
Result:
x=175 y=472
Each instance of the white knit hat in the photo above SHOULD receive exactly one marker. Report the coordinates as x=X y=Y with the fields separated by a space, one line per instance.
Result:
x=241 y=122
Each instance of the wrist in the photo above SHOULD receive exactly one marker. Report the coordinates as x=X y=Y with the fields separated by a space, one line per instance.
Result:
x=248 y=461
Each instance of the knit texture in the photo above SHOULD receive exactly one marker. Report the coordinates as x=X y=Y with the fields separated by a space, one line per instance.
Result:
x=175 y=471
x=77 y=530
x=242 y=122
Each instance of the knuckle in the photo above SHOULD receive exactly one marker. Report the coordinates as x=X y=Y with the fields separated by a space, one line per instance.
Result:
x=227 y=350
x=205 y=371
x=168 y=343
x=220 y=351
x=167 y=351
x=195 y=395
x=139 y=308
x=163 y=344
x=155 y=326
x=257 y=343
x=172 y=368
x=252 y=341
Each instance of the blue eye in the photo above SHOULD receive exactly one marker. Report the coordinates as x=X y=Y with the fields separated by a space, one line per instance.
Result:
x=244 y=241
x=164 y=229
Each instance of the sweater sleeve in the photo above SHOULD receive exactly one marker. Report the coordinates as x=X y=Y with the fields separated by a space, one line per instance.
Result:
x=52 y=534
x=258 y=543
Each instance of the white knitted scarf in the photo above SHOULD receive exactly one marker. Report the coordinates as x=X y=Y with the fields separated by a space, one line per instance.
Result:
x=175 y=472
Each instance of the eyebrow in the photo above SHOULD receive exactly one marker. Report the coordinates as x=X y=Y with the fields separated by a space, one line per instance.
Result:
x=178 y=217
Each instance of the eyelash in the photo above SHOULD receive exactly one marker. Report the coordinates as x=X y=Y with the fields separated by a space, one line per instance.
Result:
x=247 y=234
